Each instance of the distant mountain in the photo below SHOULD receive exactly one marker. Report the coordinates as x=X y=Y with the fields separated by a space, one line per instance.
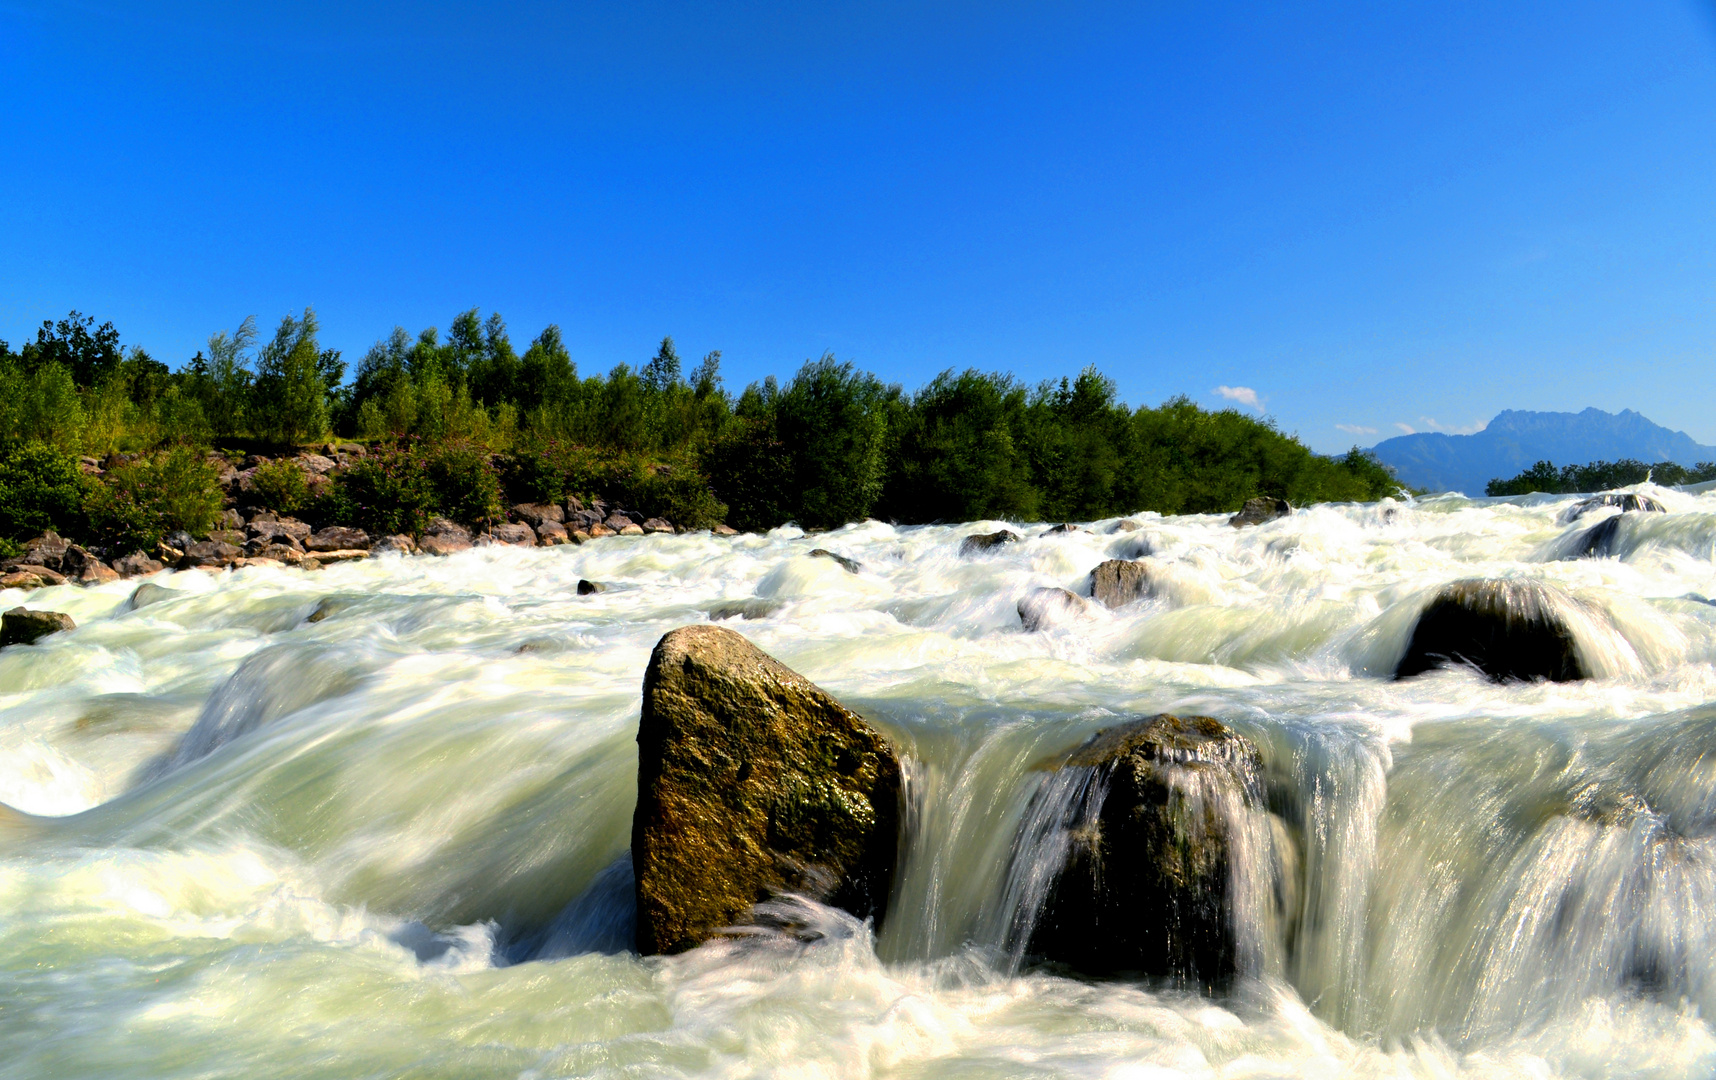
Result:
x=1516 y=440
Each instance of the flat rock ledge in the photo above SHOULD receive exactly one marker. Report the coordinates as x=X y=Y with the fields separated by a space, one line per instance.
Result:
x=753 y=782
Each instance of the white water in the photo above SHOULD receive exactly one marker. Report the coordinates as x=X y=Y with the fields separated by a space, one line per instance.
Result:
x=270 y=847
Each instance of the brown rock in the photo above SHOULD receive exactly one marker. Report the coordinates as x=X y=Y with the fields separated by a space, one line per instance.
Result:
x=279 y=553
x=136 y=564
x=516 y=533
x=230 y=519
x=24 y=579
x=578 y=536
x=337 y=538
x=347 y=555
x=22 y=626
x=1259 y=510
x=632 y=530
x=235 y=537
x=534 y=514
x=973 y=545
x=723 y=529
x=399 y=543
x=598 y=530
x=1126 y=525
x=1119 y=582
x=446 y=543
x=209 y=554
x=752 y=782
x=657 y=525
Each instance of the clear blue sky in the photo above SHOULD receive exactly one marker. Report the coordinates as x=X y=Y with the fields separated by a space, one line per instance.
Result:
x=1368 y=214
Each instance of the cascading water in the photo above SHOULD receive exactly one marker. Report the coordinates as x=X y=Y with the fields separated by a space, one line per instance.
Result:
x=392 y=841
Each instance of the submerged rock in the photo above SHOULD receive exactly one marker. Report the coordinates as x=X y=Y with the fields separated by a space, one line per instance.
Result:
x=1259 y=510
x=1044 y=607
x=1150 y=821
x=151 y=593
x=1505 y=629
x=1119 y=582
x=22 y=626
x=1598 y=542
x=1627 y=501
x=752 y=782
x=586 y=587
x=1061 y=530
x=755 y=607
x=851 y=565
x=972 y=545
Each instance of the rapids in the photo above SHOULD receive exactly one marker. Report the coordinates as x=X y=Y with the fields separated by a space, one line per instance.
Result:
x=392 y=841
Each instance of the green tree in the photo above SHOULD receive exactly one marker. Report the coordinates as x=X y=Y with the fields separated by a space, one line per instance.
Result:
x=289 y=403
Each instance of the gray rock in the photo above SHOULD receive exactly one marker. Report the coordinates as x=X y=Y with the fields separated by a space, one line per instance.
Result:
x=515 y=533
x=851 y=565
x=618 y=521
x=230 y=519
x=22 y=626
x=314 y=463
x=1505 y=629
x=137 y=564
x=1259 y=510
x=755 y=607
x=1627 y=501
x=47 y=550
x=1041 y=608
x=973 y=545
x=398 y=543
x=1118 y=582
x=657 y=525
x=1146 y=821
x=723 y=529
x=337 y=538
x=552 y=533
x=1061 y=530
x=151 y=593
x=753 y=782
x=534 y=514
x=209 y=553
x=1125 y=525
x=179 y=540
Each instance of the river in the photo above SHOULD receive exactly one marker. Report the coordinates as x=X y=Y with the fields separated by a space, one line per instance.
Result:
x=391 y=841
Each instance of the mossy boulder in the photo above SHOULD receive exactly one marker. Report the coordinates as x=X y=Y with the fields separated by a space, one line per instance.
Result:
x=753 y=782
x=1505 y=629
x=1150 y=839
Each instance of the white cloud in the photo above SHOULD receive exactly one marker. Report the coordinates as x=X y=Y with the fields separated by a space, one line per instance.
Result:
x=1467 y=429
x=1406 y=429
x=1355 y=429
x=1245 y=395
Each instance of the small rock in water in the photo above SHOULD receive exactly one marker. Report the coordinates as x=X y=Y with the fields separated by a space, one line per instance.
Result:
x=1119 y=582
x=752 y=782
x=1058 y=530
x=972 y=545
x=585 y=588
x=755 y=607
x=851 y=565
x=151 y=593
x=723 y=529
x=1152 y=828
x=1040 y=608
x=22 y=626
x=1259 y=510
x=1505 y=629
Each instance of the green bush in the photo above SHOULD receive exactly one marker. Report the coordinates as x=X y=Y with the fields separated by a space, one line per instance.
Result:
x=679 y=493
x=387 y=492
x=467 y=488
x=281 y=485
x=139 y=503
x=40 y=488
x=534 y=476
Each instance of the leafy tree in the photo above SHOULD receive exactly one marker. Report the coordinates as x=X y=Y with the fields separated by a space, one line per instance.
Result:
x=290 y=403
x=88 y=352
x=41 y=488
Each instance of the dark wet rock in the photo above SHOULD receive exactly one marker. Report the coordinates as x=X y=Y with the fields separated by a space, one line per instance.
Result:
x=329 y=606
x=1598 y=542
x=150 y=593
x=982 y=542
x=337 y=538
x=1041 y=608
x=22 y=626
x=552 y=533
x=1119 y=582
x=1627 y=501
x=1149 y=838
x=586 y=588
x=851 y=565
x=1259 y=510
x=752 y=782
x=179 y=540
x=1505 y=629
x=209 y=554
x=137 y=564
x=1060 y=530
x=534 y=514
x=755 y=607
x=515 y=533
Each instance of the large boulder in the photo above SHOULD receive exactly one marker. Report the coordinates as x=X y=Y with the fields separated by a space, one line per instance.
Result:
x=1627 y=501
x=337 y=538
x=1042 y=608
x=1505 y=629
x=534 y=514
x=515 y=533
x=752 y=782
x=1257 y=511
x=1598 y=542
x=974 y=545
x=1149 y=821
x=1119 y=582
x=443 y=537
x=22 y=626
x=135 y=564
x=209 y=553
x=79 y=564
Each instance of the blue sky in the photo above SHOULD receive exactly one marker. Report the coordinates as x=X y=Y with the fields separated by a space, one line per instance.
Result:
x=1351 y=216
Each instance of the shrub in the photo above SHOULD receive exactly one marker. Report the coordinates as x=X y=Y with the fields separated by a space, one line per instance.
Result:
x=139 y=503
x=532 y=476
x=40 y=488
x=387 y=492
x=467 y=488
x=680 y=494
x=281 y=485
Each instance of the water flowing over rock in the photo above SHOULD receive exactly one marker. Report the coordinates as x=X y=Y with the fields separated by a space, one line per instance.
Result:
x=1627 y=501
x=587 y=587
x=1140 y=855
x=851 y=565
x=752 y=782
x=1259 y=510
x=22 y=626
x=1119 y=582
x=973 y=545
x=1505 y=629
x=1598 y=542
x=1041 y=608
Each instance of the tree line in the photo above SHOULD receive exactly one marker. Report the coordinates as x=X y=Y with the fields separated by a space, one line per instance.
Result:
x=1598 y=476
x=829 y=445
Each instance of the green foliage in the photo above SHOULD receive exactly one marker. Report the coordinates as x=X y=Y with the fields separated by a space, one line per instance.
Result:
x=1599 y=476
x=41 y=488
x=140 y=502
x=467 y=487
x=290 y=402
x=534 y=475
x=281 y=486
x=88 y=353
x=40 y=404
x=386 y=492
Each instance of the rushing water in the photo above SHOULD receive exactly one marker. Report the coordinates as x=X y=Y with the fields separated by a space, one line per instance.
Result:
x=392 y=841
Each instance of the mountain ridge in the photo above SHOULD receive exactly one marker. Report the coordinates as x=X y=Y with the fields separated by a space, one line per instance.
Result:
x=1519 y=438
